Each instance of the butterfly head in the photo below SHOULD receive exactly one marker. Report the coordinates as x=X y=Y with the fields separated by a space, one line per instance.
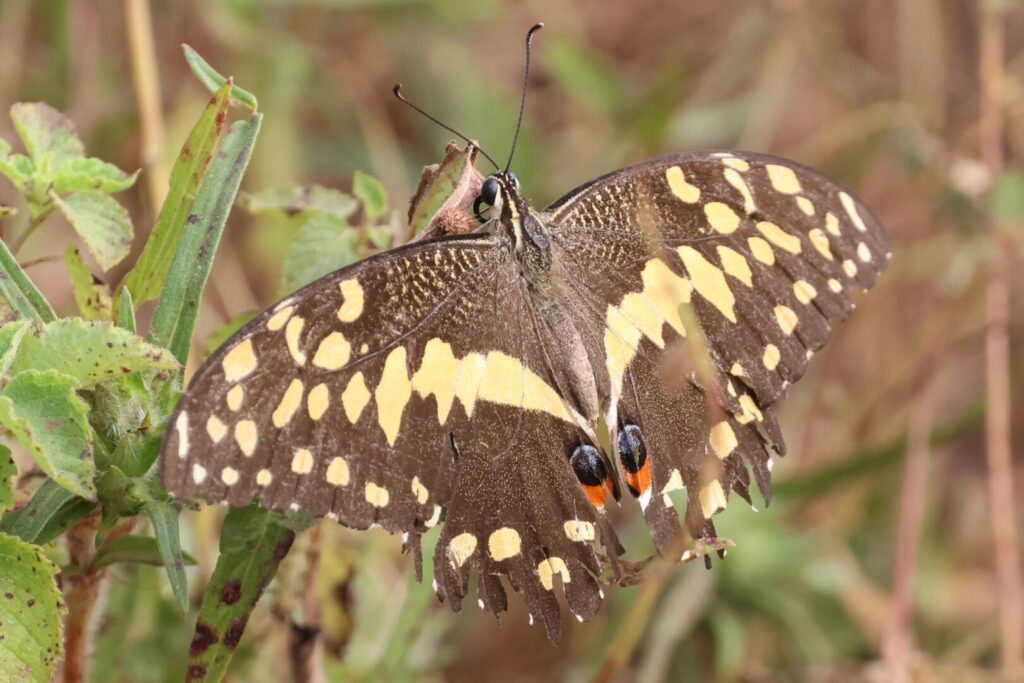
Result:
x=499 y=198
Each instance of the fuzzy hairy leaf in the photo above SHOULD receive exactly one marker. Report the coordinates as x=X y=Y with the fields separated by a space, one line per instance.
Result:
x=49 y=136
x=30 y=611
x=103 y=224
x=91 y=294
x=147 y=277
x=19 y=291
x=322 y=245
x=91 y=174
x=7 y=473
x=371 y=193
x=11 y=335
x=43 y=412
x=90 y=352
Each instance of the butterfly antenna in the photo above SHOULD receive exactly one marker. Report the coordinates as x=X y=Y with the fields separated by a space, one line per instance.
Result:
x=522 y=101
x=398 y=93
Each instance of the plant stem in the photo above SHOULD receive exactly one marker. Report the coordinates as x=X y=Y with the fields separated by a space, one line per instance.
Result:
x=81 y=591
x=139 y=25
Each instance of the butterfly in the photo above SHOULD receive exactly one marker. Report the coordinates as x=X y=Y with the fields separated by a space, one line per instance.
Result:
x=465 y=381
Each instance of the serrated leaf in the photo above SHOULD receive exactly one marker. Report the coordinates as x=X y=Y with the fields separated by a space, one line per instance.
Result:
x=90 y=352
x=301 y=201
x=175 y=315
x=253 y=541
x=371 y=193
x=164 y=516
x=50 y=512
x=1008 y=197
x=212 y=79
x=147 y=277
x=91 y=174
x=30 y=611
x=91 y=294
x=7 y=473
x=102 y=223
x=43 y=412
x=49 y=136
x=19 y=291
x=17 y=167
x=11 y=335
x=321 y=246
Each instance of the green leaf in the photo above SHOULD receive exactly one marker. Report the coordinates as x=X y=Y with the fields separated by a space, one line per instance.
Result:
x=212 y=79
x=135 y=549
x=11 y=335
x=51 y=511
x=224 y=332
x=23 y=297
x=253 y=541
x=1008 y=197
x=163 y=515
x=91 y=174
x=321 y=246
x=43 y=412
x=17 y=167
x=7 y=473
x=300 y=201
x=371 y=193
x=30 y=611
x=89 y=352
x=147 y=277
x=102 y=223
x=175 y=316
x=91 y=293
x=49 y=136
x=126 y=311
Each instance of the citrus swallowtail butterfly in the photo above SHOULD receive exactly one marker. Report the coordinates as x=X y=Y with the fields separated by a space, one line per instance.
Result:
x=463 y=380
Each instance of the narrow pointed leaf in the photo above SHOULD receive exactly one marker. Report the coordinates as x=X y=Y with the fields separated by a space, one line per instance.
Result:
x=11 y=335
x=133 y=549
x=51 y=511
x=7 y=474
x=163 y=515
x=213 y=80
x=126 y=311
x=22 y=295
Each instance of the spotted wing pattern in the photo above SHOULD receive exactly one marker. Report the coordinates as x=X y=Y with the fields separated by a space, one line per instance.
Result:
x=713 y=278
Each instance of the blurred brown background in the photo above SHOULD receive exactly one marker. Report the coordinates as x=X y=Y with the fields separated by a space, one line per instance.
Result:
x=878 y=559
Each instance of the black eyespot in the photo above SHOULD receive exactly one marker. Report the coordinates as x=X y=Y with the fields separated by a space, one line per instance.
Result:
x=587 y=463
x=632 y=451
x=489 y=191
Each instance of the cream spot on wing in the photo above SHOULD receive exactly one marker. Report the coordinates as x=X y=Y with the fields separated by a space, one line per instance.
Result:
x=508 y=382
x=460 y=548
x=820 y=242
x=805 y=205
x=504 y=543
x=355 y=397
x=239 y=362
x=352 y=306
x=216 y=429
x=667 y=291
x=850 y=268
x=437 y=375
x=736 y=180
x=750 y=408
x=302 y=461
x=392 y=393
x=245 y=436
x=736 y=163
x=333 y=353
x=721 y=217
x=434 y=518
x=674 y=483
x=851 y=210
x=771 y=356
x=832 y=224
x=277 y=321
x=779 y=237
x=863 y=253
x=288 y=405
x=787 y=319
x=235 y=397
x=761 y=250
x=229 y=475
x=680 y=188
x=467 y=384
x=712 y=498
x=198 y=473
x=579 y=530
x=547 y=569
x=337 y=472
x=735 y=264
x=420 y=491
x=783 y=179
x=264 y=477
x=377 y=496
x=317 y=401
x=181 y=425
x=709 y=281
x=737 y=370
x=723 y=439
x=835 y=285
x=364 y=348
x=292 y=332
x=804 y=291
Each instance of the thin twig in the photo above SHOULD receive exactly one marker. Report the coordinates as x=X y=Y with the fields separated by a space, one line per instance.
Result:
x=81 y=591
x=997 y=361
x=139 y=25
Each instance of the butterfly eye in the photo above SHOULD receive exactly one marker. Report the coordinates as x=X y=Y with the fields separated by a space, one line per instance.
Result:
x=489 y=191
